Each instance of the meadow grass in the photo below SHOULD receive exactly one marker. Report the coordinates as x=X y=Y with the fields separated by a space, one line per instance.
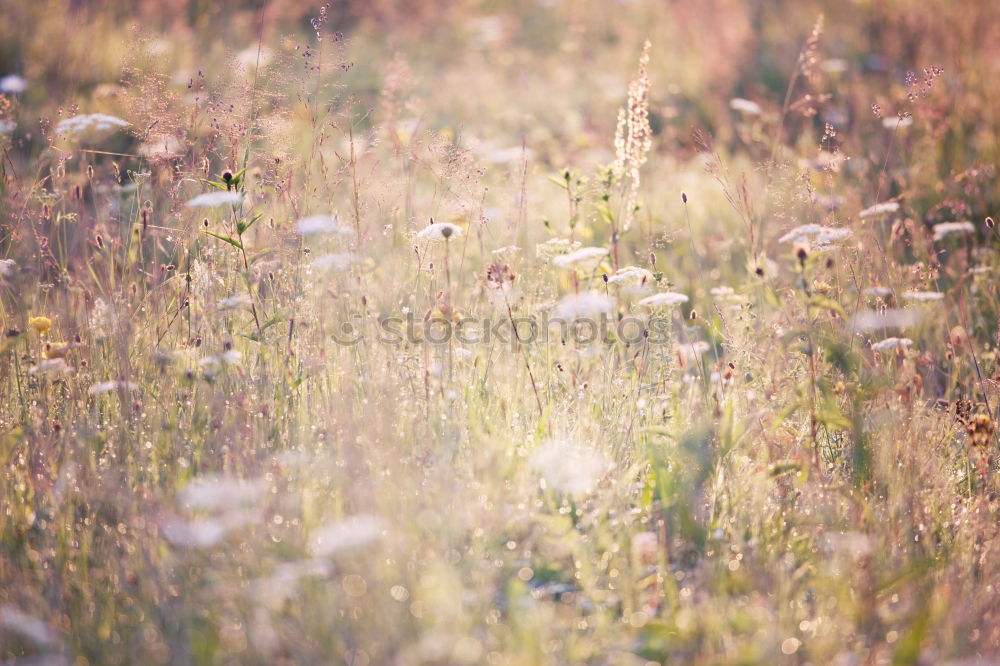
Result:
x=534 y=332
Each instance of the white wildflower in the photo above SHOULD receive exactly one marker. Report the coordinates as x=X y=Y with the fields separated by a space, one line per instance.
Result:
x=632 y=274
x=338 y=261
x=663 y=299
x=878 y=292
x=690 y=351
x=13 y=84
x=828 y=202
x=7 y=126
x=585 y=258
x=233 y=302
x=583 y=305
x=14 y=620
x=216 y=199
x=816 y=233
x=883 y=208
x=113 y=385
x=569 y=467
x=321 y=224
x=555 y=247
x=51 y=366
x=440 y=231
x=7 y=267
x=212 y=492
x=350 y=533
x=891 y=343
x=207 y=532
x=922 y=296
x=946 y=228
x=93 y=126
x=103 y=319
x=877 y=320
x=745 y=106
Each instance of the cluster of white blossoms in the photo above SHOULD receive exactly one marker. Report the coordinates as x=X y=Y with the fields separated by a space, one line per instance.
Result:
x=586 y=258
x=215 y=199
x=321 y=224
x=222 y=504
x=891 y=343
x=948 y=228
x=819 y=236
x=90 y=126
x=353 y=532
x=663 y=299
x=884 y=208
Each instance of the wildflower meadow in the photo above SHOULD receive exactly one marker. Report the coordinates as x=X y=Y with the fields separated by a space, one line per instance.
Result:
x=506 y=332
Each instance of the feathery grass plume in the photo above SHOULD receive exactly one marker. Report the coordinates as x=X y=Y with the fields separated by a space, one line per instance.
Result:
x=633 y=137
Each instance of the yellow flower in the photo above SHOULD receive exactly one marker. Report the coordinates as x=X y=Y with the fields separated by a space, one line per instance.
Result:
x=40 y=324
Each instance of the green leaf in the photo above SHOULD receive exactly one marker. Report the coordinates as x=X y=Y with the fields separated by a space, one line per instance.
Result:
x=242 y=225
x=232 y=241
x=561 y=182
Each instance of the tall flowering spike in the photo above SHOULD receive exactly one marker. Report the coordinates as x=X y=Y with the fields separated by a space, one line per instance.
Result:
x=633 y=136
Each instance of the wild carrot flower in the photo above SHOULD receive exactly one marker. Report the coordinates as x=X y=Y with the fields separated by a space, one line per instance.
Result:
x=884 y=208
x=947 y=228
x=583 y=305
x=891 y=343
x=40 y=324
x=321 y=224
x=632 y=274
x=113 y=385
x=94 y=126
x=821 y=236
x=354 y=532
x=215 y=199
x=922 y=296
x=585 y=258
x=7 y=267
x=569 y=467
x=663 y=299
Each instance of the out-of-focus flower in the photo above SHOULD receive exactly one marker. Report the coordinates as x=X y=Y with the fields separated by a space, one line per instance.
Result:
x=878 y=320
x=440 y=231
x=569 y=467
x=745 y=106
x=884 y=208
x=215 y=199
x=321 y=224
x=922 y=296
x=947 y=228
x=7 y=267
x=585 y=258
x=234 y=302
x=891 y=343
x=818 y=234
x=112 y=385
x=40 y=324
x=350 y=533
x=338 y=261
x=583 y=305
x=663 y=299
x=55 y=366
x=17 y=621
x=632 y=274
x=13 y=84
x=92 y=127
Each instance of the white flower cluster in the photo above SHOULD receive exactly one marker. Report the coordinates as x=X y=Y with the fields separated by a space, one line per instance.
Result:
x=90 y=127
